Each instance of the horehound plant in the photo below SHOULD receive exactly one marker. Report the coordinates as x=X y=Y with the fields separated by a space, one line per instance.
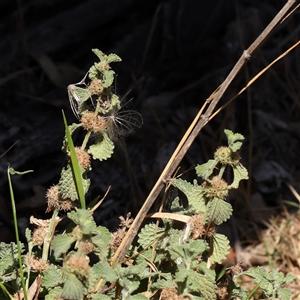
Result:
x=167 y=261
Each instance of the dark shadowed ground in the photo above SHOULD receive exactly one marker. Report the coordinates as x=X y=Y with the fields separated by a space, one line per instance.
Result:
x=175 y=54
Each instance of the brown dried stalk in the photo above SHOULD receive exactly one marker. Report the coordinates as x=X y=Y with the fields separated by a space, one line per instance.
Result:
x=199 y=122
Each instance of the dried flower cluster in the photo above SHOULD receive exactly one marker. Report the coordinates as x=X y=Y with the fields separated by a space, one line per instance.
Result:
x=54 y=200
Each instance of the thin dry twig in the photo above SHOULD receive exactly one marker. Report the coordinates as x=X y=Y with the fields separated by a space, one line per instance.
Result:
x=100 y=201
x=199 y=122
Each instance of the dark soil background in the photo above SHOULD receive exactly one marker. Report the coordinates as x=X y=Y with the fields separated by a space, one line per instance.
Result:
x=175 y=54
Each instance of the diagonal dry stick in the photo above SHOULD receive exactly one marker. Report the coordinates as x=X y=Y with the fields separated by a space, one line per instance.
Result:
x=199 y=122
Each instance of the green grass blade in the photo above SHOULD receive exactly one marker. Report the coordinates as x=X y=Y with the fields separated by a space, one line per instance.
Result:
x=11 y=171
x=75 y=166
x=252 y=292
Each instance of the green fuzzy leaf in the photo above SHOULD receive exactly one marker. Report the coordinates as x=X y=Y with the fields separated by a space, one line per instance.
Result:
x=177 y=253
x=270 y=282
x=173 y=238
x=261 y=277
x=102 y=249
x=106 y=58
x=141 y=271
x=61 y=244
x=148 y=233
x=187 y=252
x=221 y=247
x=208 y=272
x=10 y=250
x=113 y=58
x=162 y=284
x=233 y=140
x=108 y=78
x=237 y=291
x=102 y=240
x=205 y=170
x=103 y=148
x=28 y=235
x=99 y=54
x=54 y=293
x=138 y=297
x=194 y=193
x=73 y=288
x=94 y=73
x=85 y=221
x=155 y=256
x=67 y=188
x=129 y=285
x=239 y=173
x=80 y=94
x=52 y=277
x=284 y=294
x=101 y=270
x=218 y=211
x=183 y=273
x=100 y=297
x=195 y=248
x=115 y=105
x=8 y=258
x=289 y=278
x=202 y=284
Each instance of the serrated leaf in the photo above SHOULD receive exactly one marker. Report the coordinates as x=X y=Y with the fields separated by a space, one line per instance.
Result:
x=85 y=221
x=187 y=253
x=52 y=277
x=108 y=78
x=82 y=94
x=115 y=105
x=104 y=270
x=202 y=284
x=162 y=284
x=194 y=193
x=239 y=173
x=73 y=288
x=94 y=72
x=148 y=233
x=196 y=248
x=8 y=258
x=61 y=244
x=101 y=240
x=129 y=285
x=138 y=297
x=261 y=277
x=218 y=211
x=100 y=297
x=99 y=54
x=141 y=271
x=10 y=250
x=284 y=294
x=233 y=140
x=28 y=235
x=66 y=185
x=211 y=273
x=183 y=273
x=237 y=291
x=54 y=293
x=205 y=170
x=6 y=263
x=113 y=58
x=103 y=148
x=221 y=247
x=289 y=278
